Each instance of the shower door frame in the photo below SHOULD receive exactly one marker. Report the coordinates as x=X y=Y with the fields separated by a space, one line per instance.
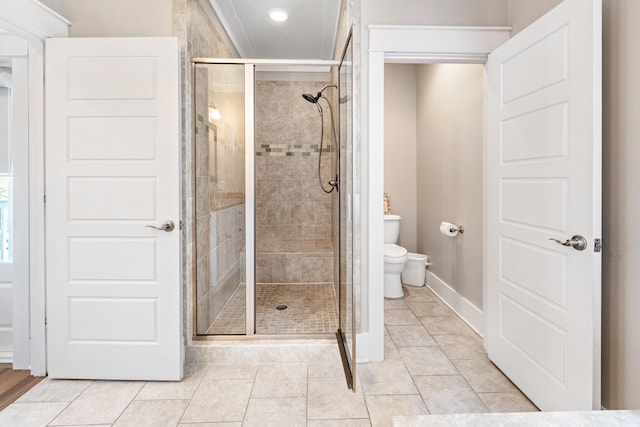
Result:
x=250 y=191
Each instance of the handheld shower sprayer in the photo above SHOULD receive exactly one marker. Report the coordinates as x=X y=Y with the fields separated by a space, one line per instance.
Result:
x=315 y=100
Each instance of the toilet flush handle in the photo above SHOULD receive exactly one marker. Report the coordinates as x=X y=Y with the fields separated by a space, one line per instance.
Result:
x=167 y=226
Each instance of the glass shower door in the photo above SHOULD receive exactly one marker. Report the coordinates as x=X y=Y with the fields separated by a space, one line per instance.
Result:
x=346 y=333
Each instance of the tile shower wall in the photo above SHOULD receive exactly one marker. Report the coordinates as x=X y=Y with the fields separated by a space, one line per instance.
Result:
x=226 y=256
x=293 y=214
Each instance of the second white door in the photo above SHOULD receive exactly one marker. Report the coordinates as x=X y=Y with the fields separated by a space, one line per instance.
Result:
x=543 y=177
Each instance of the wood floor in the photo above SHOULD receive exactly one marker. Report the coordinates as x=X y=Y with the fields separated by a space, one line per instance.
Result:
x=14 y=384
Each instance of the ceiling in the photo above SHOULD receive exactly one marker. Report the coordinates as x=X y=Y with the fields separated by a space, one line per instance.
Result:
x=309 y=33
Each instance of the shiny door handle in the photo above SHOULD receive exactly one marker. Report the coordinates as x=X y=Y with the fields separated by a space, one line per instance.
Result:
x=167 y=226
x=577 y=242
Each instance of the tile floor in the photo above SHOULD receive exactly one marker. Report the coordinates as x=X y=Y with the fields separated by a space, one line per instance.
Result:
x=434 y=364
x=311 y=309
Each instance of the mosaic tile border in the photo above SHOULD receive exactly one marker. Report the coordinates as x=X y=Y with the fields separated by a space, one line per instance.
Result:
x=290 y=150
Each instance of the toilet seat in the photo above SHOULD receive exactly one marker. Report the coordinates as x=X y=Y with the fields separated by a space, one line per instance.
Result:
x=395 y=254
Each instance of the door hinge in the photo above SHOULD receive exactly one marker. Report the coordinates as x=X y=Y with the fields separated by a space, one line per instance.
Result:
x=44 y=198
x=181 y=225
x=597 y=245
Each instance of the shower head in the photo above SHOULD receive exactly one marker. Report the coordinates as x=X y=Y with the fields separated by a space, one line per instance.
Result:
x=314 y=99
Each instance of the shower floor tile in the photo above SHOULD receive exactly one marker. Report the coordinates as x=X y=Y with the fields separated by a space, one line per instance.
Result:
x=311 y=309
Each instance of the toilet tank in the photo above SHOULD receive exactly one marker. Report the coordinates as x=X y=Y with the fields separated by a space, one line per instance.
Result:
x=391 y=228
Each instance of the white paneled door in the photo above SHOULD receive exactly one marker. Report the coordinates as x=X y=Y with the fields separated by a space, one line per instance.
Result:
x=543 y=177
x=112 y=170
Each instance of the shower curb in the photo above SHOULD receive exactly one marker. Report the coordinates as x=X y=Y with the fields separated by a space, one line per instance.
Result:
x=262 y=351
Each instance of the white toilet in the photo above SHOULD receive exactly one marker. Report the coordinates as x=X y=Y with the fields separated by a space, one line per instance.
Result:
x=395 y=257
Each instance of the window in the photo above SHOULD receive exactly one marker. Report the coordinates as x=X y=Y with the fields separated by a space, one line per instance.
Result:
x=6 y=177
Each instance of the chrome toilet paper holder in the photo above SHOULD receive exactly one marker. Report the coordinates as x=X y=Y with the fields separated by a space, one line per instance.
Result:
x=458 y=228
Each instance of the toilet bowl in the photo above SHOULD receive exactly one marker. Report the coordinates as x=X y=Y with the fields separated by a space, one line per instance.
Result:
x=395 y=257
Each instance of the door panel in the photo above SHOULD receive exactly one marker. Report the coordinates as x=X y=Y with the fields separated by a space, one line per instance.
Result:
x=347 y=319
x=542 y=299
x=114 y=299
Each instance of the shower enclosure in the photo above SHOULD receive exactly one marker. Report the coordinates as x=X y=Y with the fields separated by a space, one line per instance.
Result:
x=269 y=258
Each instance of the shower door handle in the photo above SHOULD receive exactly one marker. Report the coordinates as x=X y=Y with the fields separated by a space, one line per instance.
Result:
x=167 y=226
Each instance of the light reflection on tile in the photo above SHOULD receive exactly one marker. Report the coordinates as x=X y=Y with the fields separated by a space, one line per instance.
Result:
x=101 y=403
x=329 y=398
x=219 y=400
x=448 y=394
x=231 y=371
x=507 y=402
x=426 y=361
x=410 y=336
x=382 y=409
x=275 y=412
x=483 y=376
x=389 y=377
x=400 y=317
x=461 y=346
x=281 y=380
x=152 y=413
x=174 y=389
x=50 y=390
x=446 y=325
x=30 y=414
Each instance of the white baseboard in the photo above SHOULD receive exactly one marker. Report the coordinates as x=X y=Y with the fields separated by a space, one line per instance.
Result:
x=6 y=357
x=456 y=302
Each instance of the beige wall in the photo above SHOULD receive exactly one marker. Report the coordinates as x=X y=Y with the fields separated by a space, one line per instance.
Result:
x=436 y=12
x=621 y=201
x=55 y=5
x=449 y=155
x=119 y=18
x=400 y=176
x=523 y=12
x=621 y=269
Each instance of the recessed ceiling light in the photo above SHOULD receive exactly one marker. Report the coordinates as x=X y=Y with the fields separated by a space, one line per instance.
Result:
x=279 y=15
